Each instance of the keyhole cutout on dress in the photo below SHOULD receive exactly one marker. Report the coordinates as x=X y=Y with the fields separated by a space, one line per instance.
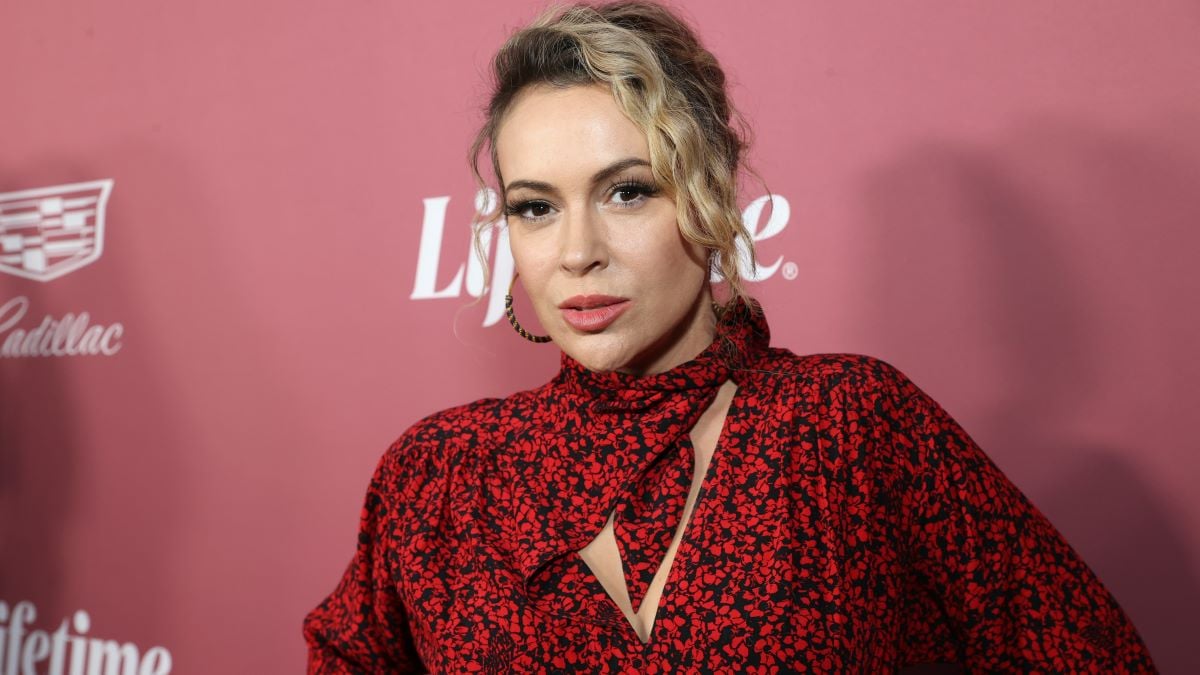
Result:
x=602 y=555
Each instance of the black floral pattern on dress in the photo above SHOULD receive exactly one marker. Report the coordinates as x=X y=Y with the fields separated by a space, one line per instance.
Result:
x=623 y=441
x=846 y=524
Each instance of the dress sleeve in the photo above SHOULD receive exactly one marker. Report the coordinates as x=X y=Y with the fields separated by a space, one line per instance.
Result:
x=999 y=578
x=362 y=627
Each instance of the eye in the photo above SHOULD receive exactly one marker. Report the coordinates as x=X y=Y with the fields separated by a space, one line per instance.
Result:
x=528 y=210
x=632 y=193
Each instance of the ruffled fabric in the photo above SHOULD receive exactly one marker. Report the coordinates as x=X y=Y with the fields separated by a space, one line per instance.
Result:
x=624 y=441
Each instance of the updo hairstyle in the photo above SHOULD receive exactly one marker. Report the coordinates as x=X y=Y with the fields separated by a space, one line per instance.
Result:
x=666 y=82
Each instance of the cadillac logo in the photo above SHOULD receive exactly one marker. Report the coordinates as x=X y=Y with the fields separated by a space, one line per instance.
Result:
x=48 y=232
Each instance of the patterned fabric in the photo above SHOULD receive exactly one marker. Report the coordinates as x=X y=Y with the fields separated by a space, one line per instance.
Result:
x=846 y=524
x=623 y=441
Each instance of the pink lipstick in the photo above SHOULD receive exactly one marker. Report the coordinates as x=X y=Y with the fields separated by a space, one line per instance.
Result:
x=592 y=312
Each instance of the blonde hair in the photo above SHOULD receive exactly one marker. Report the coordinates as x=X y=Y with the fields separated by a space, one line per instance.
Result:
x=666 y=82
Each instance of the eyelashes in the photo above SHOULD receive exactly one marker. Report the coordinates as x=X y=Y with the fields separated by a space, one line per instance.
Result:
x=637 y=186
x=519 y=208
x=643 y=190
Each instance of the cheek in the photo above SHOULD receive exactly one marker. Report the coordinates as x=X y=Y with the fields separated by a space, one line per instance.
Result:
x=668 y=253
x=534 y=263
x=525 y=253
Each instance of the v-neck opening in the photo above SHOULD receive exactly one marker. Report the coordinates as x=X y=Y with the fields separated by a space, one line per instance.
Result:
x=686 y=537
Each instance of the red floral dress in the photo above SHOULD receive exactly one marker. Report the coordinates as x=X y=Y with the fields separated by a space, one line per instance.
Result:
x=846 y=524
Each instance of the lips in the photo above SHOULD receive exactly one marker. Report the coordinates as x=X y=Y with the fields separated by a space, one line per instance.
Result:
x=592 y=312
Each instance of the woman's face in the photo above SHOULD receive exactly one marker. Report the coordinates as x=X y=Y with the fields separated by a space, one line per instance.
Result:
x=594 y=239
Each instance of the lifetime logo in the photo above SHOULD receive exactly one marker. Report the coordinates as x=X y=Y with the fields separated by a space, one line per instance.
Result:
x=48 y=232
x=433 y=226
x=68 y=650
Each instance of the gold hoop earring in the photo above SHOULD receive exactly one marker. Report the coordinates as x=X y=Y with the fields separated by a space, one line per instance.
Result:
x=512 y=317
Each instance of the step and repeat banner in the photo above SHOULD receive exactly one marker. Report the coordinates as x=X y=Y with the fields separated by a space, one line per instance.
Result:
x=235 y=264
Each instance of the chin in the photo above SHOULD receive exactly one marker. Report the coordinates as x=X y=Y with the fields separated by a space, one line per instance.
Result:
x=597 y=355
x=599 y=363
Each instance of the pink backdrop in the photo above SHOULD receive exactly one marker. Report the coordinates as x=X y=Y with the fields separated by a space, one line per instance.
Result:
x=1000 y=200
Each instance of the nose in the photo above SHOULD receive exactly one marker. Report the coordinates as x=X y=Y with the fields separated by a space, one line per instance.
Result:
x=582 y=241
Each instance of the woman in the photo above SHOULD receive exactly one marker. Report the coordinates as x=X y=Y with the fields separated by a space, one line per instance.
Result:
x=682 y=496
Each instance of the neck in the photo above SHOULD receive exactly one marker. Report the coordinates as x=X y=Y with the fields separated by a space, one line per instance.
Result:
x=692 y=335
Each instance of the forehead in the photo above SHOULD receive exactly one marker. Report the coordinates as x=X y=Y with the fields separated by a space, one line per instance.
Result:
x=562 y=136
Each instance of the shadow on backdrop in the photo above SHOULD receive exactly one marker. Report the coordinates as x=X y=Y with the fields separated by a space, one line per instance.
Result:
x=38 y=449
x=53 y=551
x=979 y=251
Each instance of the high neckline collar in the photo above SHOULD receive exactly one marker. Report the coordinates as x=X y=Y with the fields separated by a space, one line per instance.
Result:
x=621 y=445
x=741 y=334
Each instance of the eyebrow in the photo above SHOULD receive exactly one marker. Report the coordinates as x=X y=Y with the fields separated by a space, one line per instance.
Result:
x=607 y=172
